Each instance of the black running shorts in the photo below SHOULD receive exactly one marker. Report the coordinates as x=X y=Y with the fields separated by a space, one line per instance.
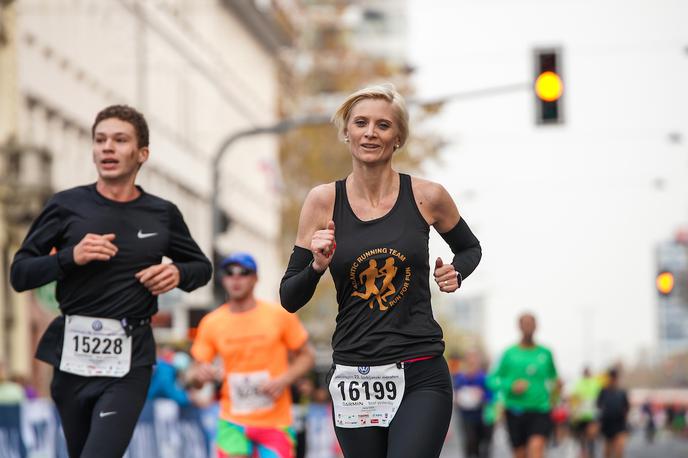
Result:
x=523 y=425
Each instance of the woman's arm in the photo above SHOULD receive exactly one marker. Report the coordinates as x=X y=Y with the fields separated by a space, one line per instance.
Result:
x=440 y=211
x=313 y=249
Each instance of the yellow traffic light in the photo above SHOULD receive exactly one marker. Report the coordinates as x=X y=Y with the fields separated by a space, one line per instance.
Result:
x=665 y=283
x=549 y=86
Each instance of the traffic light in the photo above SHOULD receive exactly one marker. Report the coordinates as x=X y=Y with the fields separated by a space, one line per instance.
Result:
x=665 y=283
x=548 y=86
x=671 y=279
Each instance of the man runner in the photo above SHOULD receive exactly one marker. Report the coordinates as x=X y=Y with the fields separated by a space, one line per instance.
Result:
x=584 y=412
x=109 y=240
x=527 y=376
x=264 y=350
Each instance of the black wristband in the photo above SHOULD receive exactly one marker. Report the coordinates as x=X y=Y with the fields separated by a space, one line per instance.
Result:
x=299 y=281
x=466 y=249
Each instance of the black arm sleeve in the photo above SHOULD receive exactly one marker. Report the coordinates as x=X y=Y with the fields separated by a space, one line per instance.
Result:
x=194 y=267
x=299 y=281
x=33 y=266
x=466 y=248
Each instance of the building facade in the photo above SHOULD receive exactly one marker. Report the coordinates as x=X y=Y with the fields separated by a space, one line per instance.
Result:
x=199 y=70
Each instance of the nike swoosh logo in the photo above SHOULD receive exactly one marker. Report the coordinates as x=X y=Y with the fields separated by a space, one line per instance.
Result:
x=106 y=414
x=142 y=235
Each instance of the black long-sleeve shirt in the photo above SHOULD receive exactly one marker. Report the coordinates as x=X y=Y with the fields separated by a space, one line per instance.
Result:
x=146 y=229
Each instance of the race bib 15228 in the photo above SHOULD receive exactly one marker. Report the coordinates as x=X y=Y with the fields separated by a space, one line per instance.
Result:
x=95 y=347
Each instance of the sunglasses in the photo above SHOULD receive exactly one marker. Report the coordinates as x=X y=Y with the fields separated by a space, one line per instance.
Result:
x=237 y=270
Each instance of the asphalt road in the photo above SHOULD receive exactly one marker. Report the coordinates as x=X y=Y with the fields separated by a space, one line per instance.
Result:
x=664 y=446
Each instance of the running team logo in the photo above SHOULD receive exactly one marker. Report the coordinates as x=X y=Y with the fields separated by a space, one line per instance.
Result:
x=363 y=370
x=380 y=277
x=97 y=325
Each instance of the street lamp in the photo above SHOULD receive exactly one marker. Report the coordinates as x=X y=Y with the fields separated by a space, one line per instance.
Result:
x=277 y=128
x=479 y=93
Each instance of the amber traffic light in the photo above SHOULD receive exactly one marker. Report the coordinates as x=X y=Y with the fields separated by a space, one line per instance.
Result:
x=548 y=86
x=665 y=283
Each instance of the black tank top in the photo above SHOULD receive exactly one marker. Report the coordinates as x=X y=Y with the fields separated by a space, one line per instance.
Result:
x=381 y=272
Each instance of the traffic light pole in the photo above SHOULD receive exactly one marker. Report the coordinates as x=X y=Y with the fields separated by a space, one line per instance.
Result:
x=474 y=94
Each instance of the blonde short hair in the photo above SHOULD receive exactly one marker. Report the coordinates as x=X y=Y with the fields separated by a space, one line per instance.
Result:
x=382 y=91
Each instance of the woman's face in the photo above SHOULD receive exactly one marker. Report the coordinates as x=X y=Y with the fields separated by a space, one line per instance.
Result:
x=372 y=130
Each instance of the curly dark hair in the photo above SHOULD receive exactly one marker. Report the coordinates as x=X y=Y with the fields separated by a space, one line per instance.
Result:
x=127 y=114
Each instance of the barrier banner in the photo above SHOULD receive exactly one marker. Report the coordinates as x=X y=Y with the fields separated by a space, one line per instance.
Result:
x=164 y=430
x=11 y=443
x=144 y=442
x=194 y=441
x=39 y=426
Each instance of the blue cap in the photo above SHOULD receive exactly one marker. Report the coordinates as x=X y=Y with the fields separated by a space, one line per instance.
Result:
x=244 y=260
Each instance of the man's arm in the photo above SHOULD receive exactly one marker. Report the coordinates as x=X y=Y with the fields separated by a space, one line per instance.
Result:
x=194 y=267
x=552 y=369
x=500 y=379
x=302 y=360
x=203 y=351
x=190 y=268
x=33 y=266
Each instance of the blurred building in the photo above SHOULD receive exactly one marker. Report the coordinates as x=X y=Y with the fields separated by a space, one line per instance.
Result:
x=200 y=71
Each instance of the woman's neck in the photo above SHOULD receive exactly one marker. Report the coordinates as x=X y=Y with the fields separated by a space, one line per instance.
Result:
x=373 y=184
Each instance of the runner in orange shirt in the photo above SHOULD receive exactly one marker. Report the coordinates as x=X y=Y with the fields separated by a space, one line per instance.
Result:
x=264 y=350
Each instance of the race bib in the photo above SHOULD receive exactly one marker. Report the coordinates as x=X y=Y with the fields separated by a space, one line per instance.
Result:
x=95 y=347
x=246 y=394
x=366 y=395
x=469 y=397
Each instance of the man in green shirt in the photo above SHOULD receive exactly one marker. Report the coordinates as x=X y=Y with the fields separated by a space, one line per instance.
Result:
x=526 y=376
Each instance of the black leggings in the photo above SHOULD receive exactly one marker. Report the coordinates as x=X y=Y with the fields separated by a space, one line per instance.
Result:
x=99 y=413
x=419 y=426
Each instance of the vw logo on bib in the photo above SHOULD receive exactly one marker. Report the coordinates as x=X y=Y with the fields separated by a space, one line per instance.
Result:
x=363 y=370
x=97 y=325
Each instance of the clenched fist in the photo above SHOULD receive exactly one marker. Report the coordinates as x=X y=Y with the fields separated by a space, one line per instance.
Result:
x=446 y=277
x=94 y=247
x=323 y=245
x=159 y=278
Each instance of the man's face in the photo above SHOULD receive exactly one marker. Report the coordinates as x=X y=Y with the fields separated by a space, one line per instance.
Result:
x=238 y=281
x=527 y=326
x=115 y=150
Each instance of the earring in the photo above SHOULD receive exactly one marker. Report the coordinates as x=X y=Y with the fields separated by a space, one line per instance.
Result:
x=346 y=139
x=396 y=146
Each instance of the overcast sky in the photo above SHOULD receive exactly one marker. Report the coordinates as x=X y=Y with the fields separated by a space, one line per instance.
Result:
x=568 y=216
